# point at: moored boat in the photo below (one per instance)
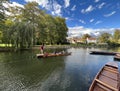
(103, 53)
(107, 79)
(117, 57)
(52, 54)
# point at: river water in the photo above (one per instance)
(22, 71)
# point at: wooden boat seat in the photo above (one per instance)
(106, 85)
(100, 87)
(108, 81)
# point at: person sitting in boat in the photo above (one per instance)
(55, 52)
(42, 49)
(63, 52)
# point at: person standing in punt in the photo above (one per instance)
(42, 49)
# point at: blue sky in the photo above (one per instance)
(83, 14)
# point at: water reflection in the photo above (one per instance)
(22, 71)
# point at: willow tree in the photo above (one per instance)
(25, 25)
(20, 35)
(33, 14)
(2, 17)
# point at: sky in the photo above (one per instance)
(83, 15)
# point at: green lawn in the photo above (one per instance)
(4, 45)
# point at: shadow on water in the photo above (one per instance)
(22, 71)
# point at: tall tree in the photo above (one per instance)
(85, 36)
(2, 17)
(104, 38)
(2, 12)
(61, 30)
(29, 24)
(34, 15)
(116, 35)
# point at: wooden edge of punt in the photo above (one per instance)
(110, 64)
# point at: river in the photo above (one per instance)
(22, 71)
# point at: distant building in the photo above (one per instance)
(75, 40)
(80, 40)
(91, 40)
(71, 40)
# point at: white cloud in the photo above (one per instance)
(13, 4)
(91, 20)
(73, 8)
(67, 18)
(89, 9)
(57, 8)
(43, 3)
(110, 14)
(80, 30)
(97, 1)
(67, 3)
(53, 6)
(101, 5)
(82, 21)
(98, 22)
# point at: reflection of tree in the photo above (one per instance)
(23, 70)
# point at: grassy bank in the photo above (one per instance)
(3, 47)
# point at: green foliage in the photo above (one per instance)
(104, 38)
(116, 35)
(85, 36)
(30, 25)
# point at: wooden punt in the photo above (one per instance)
(107, 79)
(103, 53)
(117, 57)
(52, 55)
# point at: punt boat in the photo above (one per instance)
(107, 79)
(117, 57)
(52, 55)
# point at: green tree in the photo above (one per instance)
(85, 36)
(2, 17)
(61, 30)
(116, 35)
(30, 25)
(104, 38)
(2, 12)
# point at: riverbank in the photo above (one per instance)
(6, 49)
(52, 46)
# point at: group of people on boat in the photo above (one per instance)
(42, 50)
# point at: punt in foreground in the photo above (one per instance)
(107, 79)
